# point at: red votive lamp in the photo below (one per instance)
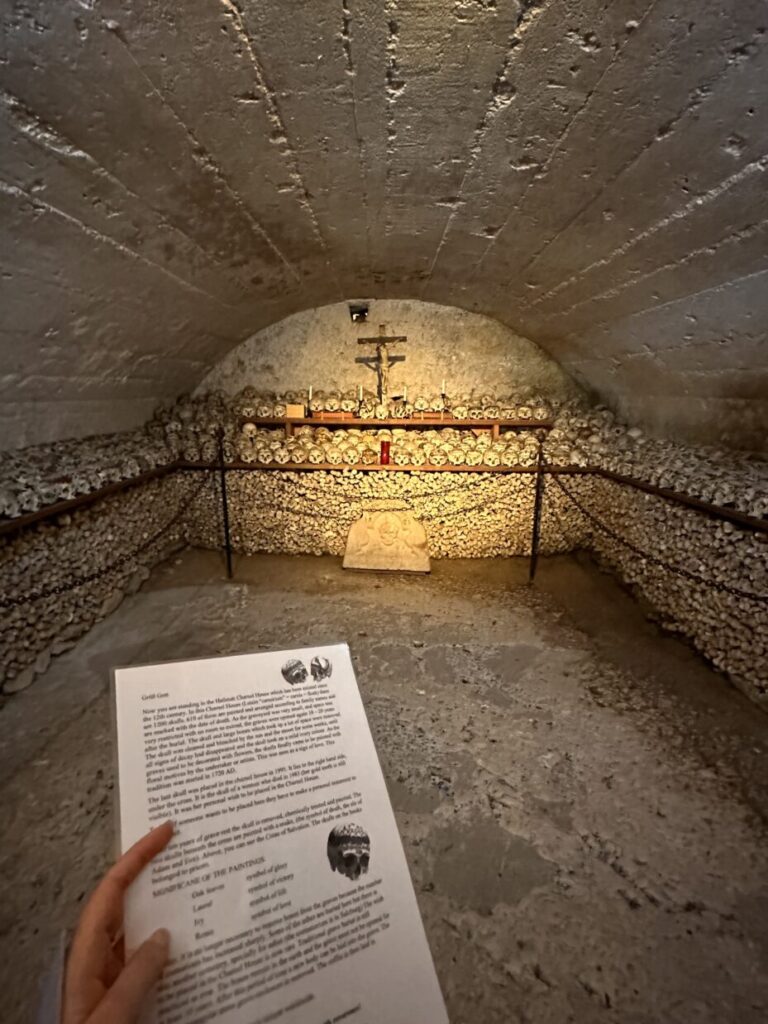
(385, 453)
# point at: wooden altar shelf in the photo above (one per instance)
(417, 422)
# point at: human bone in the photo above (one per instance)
(283, 511)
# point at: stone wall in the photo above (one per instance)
(319, 346)
(590, 173)
(110, 546)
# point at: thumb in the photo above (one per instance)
(126, 998)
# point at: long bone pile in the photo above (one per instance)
(585, 436)
(48, 557)
(466, 515)
(680, 547)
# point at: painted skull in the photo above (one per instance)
(321, 668)
(349, 851)
(294, 671)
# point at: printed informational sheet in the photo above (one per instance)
(285, 887)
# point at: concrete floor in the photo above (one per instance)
(582, 801)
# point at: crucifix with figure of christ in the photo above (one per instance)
(382, 362)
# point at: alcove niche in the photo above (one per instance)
(85, 520)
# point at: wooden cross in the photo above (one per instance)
(382, 362)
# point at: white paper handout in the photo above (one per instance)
(285, 888)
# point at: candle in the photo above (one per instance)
(310, 392)
(405, 394)
(442, 387)
(359, 392)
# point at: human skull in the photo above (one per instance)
(321, 668)
(294, 671)
(208, 450)
(349, 851)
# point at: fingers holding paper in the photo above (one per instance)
(99, 986)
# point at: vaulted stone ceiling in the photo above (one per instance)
(177, 175)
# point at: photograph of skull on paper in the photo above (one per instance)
(294, 671)
(349, 851)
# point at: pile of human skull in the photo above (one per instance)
(48, 557)
(189, 429)
(730, 630)
(446, 446)
(252, 404)
(36, 477)
(726, 628)
(466, 516)
(191, 426)
(584, 436)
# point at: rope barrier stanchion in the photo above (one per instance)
(225, 504)
(537, 503)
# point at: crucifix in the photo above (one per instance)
(382, 362)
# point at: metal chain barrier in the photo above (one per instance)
(465, 489)
(464, 510)
(677, 570)
(91, 577)
(37, 595)
(401, 506)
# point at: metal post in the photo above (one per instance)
(225, 506)
(537, 501)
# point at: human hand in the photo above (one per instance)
(99, 986)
